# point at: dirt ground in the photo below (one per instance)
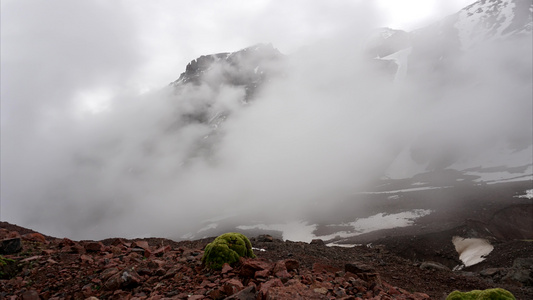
(399, 255)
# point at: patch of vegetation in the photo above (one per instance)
(489, 294)
(8, 268)
(227, 248)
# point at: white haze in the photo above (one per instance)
(137, 167)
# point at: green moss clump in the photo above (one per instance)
(8, 268)
(489, 294)
(227, 248)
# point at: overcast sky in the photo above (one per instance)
(102, 46)
(64, 63)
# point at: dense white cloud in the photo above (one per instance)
(84, 155)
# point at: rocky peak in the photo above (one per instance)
(248, 67)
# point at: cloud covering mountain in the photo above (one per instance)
(262, 135)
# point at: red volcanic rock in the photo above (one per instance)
(226, 268)
(3, 233)
(296, 290)
(86, 259)
(30, 295)
(124, 279)
(104, 276)
(13, 235)
(155, 264)
(262, 273)
(94, 247)
(291, 264)
(140, 244)
(358, 267)
(265, 287)
(66, 242)
(250, 266)
(283, 275)
(323, 268)
(232, 286)
(35, 237)
(161, 251)
(249, 293)
(286, 270)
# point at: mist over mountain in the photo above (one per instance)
(261, 136)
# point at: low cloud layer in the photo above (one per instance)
(161, 163)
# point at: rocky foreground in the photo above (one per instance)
(41, 267)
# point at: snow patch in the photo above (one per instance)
(527, 195)
(302, 231)
(294, 231)
(400, 58)
(405, 190)
(210, 226)
(474, 23)
(471, 251)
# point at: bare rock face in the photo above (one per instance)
(358, 267)
(248, 68)
(10, 246)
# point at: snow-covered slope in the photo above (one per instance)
(481, 55)
(493, 20)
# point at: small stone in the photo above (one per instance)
(318, 242)
(141, 244)
(431, 265)
(160, 251)
(30, 295)
(321, 290)
(265, 238)
(215, 294)
(249, 267)
(276, 282)
(490, 272)
(155, 264)
(372, 278)
(322, 268)
(66, 242)
(291, 264)
(94, 247)
(77, 248)
(283, 275)
(232, 286)
(108, 273)
(35, 257)
(226, 268)
(246, 294)
(36, 237)
(358, 267)
(262, 274)
(86, 259)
